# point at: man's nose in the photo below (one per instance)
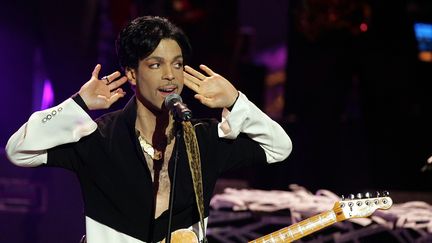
(168, 74)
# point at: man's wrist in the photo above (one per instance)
(79, 100)
(232, 106)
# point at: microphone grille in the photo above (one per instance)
(171, 99)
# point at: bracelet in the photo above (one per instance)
(78, 99)
(232, 106)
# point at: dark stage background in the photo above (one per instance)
(344, 78)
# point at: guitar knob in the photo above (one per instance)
(367, 195)
(359, 195)
(351, 196)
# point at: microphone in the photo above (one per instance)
(175, 104)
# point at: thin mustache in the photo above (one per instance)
(170, 84)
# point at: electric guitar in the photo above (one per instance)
(342, 210)
(183, 236)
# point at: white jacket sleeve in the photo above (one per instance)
(65, 123)
(246, 118)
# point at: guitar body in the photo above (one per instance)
(183, 236)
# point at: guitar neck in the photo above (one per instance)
(300, 229)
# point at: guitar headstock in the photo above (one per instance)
(361, 206)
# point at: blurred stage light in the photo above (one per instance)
(363, 27)
(423, 34)
(47, 95)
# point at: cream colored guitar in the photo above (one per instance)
(183, 236)
(342, 210)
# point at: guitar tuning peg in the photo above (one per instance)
(367, 195)
(359, 195)
(351, 196)
(378, 194)
(386, 193)
(343, 198)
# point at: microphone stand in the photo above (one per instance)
(178, 133)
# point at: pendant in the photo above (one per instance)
(148, 149)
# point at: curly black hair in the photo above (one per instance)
(141, 37)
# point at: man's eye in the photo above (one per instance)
(154, 65)
(178, 65)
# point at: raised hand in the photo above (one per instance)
(212, 90)
(102, 93)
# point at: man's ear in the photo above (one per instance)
(131, 75)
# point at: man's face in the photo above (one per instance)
(159, 74)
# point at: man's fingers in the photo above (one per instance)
(194, 73)
(113, 76)
(207, 70)
(96, 71)
(204, 100)
(191, 85)
(114, 84)
(118, 93)
(106, 102)
(191, 78)
(201, 98)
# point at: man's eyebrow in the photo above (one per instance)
(153, 57)
(178, 57)
(158, 58)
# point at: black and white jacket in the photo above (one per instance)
(115, 180)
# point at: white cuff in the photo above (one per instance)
(232, 121)
(65, 123)
(246, 118)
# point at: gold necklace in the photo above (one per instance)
(148, 149)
